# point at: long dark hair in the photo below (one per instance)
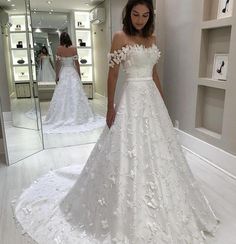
(128, 27)
(65, 39)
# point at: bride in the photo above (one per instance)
(136, 187)
(69, 110)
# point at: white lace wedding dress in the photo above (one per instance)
(46, 72)
(136, 187)
(69, 109)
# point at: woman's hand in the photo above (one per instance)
(111, 114)
(57, 79)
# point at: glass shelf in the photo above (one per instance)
(21, 73)
(85, 36)
(85, 54)
(18, 37)
(82, 20)
(18, 23)
(86, 73)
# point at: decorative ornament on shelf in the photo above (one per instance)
(80, 24)
(18, 27)
(21, 61)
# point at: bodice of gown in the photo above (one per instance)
(67, 61)
(137, 60)
(45, 60)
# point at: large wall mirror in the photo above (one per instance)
(88, 25)
(21, 116)
(31, 37)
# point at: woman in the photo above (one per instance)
(46, 71)
(136, 187)
(69, 109)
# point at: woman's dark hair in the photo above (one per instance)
(46, 50)
(65, 39)
(128, 27)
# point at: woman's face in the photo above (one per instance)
(140, 16)
(44, 51)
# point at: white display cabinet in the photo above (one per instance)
(85, 50)
(85, 54)
(21, 44)
(213, 98)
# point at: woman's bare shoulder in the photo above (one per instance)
(119, 40)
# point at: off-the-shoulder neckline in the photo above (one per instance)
(139, 45)
(135, 46)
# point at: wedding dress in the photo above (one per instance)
(69, 109)
(136, 187)
(46, 72)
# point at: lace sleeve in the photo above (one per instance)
(117, 56)
(58, 58)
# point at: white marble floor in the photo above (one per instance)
(218, 187)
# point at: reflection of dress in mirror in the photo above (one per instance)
(46, 73)
(136, 187)
(69, 110)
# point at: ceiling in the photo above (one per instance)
(47, 5)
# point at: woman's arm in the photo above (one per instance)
(155, 74)
(113, 73)
(157, 80)
(76, 62)
(58, 65)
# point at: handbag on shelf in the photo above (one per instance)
(19, 44)
(83, 61)
(21, 61)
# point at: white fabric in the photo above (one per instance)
(69, 110)
(136, 187)
(46, 71)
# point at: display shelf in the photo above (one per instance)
(213, 41)
(217, 23)
(21, 73)
(85, 53)
(217, 9)
(212, 83)
(21, 41)
(82, 20)
(83, 37)
(18, 23)
(86, 73)
(210, 109)
(85, 50)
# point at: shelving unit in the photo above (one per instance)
(85, 50)
(21, 50)
(212, 93)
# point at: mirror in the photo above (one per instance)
(21, 116)
(66, 116)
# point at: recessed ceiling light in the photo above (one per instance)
(9, 0)
(51, 10)
(35, 9)
(49, 2)
(13, 5)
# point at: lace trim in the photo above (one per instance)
(120, 55)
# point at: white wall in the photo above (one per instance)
(101, 35)
(4, 93)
